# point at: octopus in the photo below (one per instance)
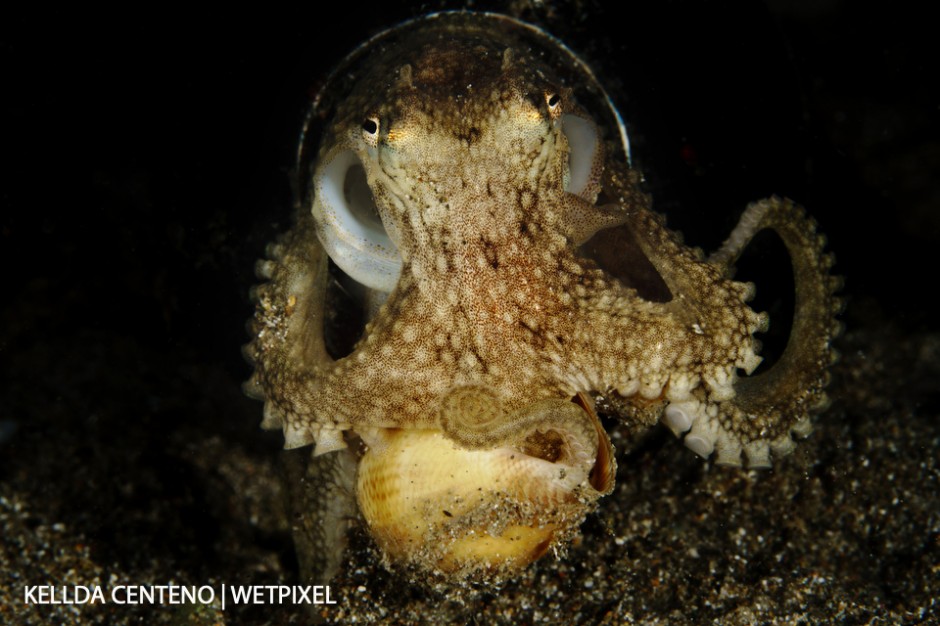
(473, 274)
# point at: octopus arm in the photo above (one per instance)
(551, 428)
(288, 349)
(732, 415)
(322, 499)
(769, 406)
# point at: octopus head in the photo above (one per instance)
(423, 159)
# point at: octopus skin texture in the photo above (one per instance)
(472, 269)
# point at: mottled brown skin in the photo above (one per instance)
(497, 309)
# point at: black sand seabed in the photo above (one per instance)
(129, 456)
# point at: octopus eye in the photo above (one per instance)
(370, 130)
(553, 100)
(349, 225)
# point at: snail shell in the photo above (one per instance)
(436, 507)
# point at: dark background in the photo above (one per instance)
(147, 164)
(183, 126)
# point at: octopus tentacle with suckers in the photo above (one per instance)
(471, 201)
